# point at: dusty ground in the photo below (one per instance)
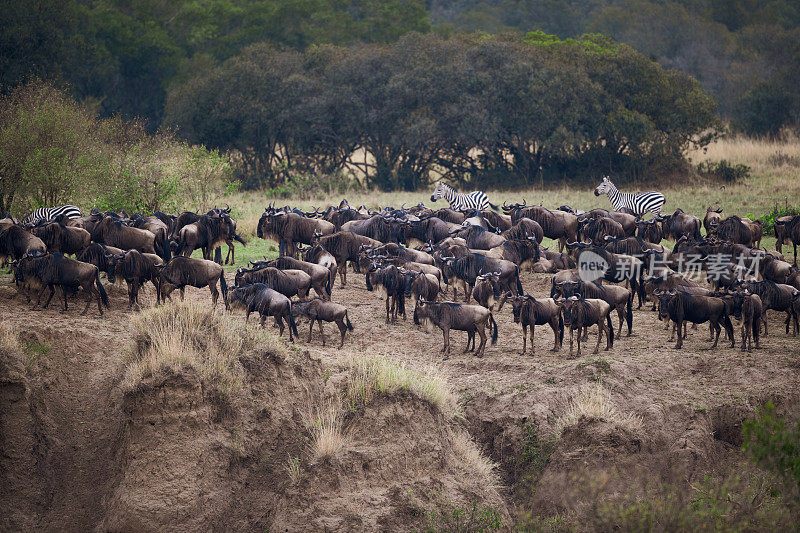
(689, 402)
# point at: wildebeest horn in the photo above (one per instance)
(227, 208)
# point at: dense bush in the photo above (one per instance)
(724, 170)
(55, 151)
(774, 444)
(479, 110)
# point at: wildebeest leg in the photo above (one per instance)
(214, 293)
(621, 315)
(342, 330)
(745, 334)
(680, 325)
(321, 332)
(470, 337)
(388, 307)
(525, 339)
(482, 347)
(601, 326)
(533, 350)
(446, 348)
(279, 321)
(342, 271)
(52, 292)
(183, 292)
(764, 319)
(310, 329)
(263, 319)
(717, 330)
(468, 291)
(571, 338)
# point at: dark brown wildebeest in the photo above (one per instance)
(712, 219)
(322, 311)
(16, 243)
(379, 228)
(345, 246)
(621, 267)
(558, 225)
(460, 317)
(524, 229)
(185, 218)
(450, 215)
(735, 230)
(135, 268)
(60, 238)
(668, 280)
(290, 229)
(398, 250)
(182, 271)
(649, 230)
(480, 239)
(528, 311)
(266, 302)
(160, 229)
(518, 252)
(429, 230)
(582, 313)
(626, 220)
(678, 224)
(421, 286)
(392, 283)
(597, 229)
(320, 276)
(55, 269)
(553, 261)
(97, 254)
(680, 306)
(619, 298)
(114, 233)
(747, 308)
(208, 233)
(487, 290)
(777, 296)
(757, 229)
(465, 269)
(287, 282)
(782, 234)
(775, 269)
(320, 256)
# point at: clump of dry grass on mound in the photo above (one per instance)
(594, 402)
(9, 339)
(325, 424)
(378, 375)
(182, 335)
(474, 462)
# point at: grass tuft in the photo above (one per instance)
(370, 376)
(594, 402)
(9, 339)
(474, 461)
(325, 423)
(182, 335)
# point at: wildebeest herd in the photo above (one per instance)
(420, 254)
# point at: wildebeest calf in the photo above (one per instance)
(320, 310)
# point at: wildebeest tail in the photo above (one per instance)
(610, 330)
(292, 323)
(218, 255)
(560, 328)
(519, 283)
(223, 285)
(347, 321)
(726, 320)
(494, 207)
(162, 246)
(493, 327)
(100, 289)
(329, 284)
(629, 313)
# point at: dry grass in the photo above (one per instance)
(182, 335)
(472, 460)
(9, 339)
(325, 424)
(293, 469)
(378, 375)
(594, 402)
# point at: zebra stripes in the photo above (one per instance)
(462, 201)
(638, 203)
(51, 213)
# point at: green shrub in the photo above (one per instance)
(724, 170)
(768, 219)
(774, 444)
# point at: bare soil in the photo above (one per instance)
(78, 454)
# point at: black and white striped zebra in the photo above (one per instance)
(51, 213)
(462, 201)
(639, 203)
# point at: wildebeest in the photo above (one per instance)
(98, 254)
(524, 229)
(789, 231)
(318, 255)
(392, 282)
(777, 296)
(678, 224)
(208, 233)
(422, 286)
(597, 229)
(747, 308)
(398, 250)
(290, 229)
(479, 238)
(782, 235)
(345, 246)
(581, 313)
(712, 219)
(558, 225)
(322, 311)
(775, 269)
(16, 242)
(55, 269)
(266, 302)
(680, 306)
(487, 290)
(617, 297)
(60, 238)
(528, 311)
(470, 266)
(649, 230)
(378, 227)
(460, 317)
(621, 267)
(735, 230)
(287, 282)
(182, 271)
(135, 268)
(429, 230)
(518, 252)
(320, 276)
(114, 233)
(160, 229)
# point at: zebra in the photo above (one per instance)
(639, 203)
(462, 201)
(51, 213)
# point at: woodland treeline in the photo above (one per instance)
(492, 93)
(479, 110)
